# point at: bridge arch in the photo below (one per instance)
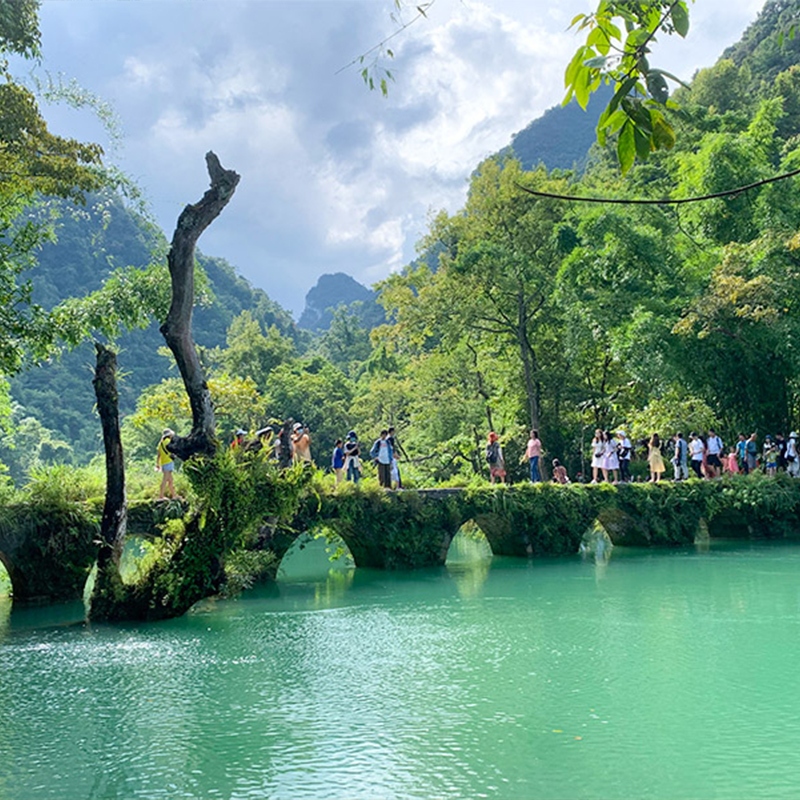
(314, 555)
(469, 545)
(6, 579)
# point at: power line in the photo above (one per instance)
(663, 201)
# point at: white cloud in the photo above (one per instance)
(333, 177)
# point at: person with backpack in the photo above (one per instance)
(495, 460)
(714, 450)
(352, 460)
(624, 452)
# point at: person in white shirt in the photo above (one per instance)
(697, 449)
(792, 458)
(624, 449)
(714, 454)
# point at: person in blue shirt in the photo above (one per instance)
(337, 461)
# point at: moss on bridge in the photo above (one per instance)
(400, 530)
(48, 550)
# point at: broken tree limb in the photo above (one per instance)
(177, 329)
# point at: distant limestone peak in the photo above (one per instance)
(332, 291)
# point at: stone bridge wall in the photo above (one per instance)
(48, 551)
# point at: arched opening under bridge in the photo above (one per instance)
(468, 546)
(6, 586)
(315, 555)
(136, 548)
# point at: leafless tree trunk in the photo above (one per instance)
(115, 509)
(177, 329)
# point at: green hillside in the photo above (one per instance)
(89, 245)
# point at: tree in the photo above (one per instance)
(33, 162)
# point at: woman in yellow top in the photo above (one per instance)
(166, 464)
(655, 460)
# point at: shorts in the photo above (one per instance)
(168, 467)
(713, 460)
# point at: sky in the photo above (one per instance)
(335, 178)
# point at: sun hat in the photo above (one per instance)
(240, 432)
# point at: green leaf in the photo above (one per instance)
(582, 88)
(680, 19)
(623, 91)
(626, 147)
(598, 62)
(663, 135)
(642, 142)
(657, 86)
(671, 77)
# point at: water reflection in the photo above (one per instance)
(469, 559)
(315, 557)
(5, 615)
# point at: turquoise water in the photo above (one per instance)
(660, 674)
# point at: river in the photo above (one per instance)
(660, 674)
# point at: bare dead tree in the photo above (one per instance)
(115, 509)
(177, 329)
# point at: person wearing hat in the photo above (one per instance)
(352, 462)
(302, 444)
(165, 463)
(238, 439)
(792, 462)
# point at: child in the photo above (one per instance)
(771, 461)
(337, 461)
(731, 461)
(559, 472)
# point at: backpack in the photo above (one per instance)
(492, 452)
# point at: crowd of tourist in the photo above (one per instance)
(701, 456)
(705, 455)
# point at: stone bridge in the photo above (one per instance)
(48, 552)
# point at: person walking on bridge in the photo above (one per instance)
(534, 453)
(680, 458)
(494, 457)
(382, 454)
(165, 463)
(352, 460)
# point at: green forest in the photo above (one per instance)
(519, 312)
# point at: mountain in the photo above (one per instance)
(332, 291)
(770, 44)
(562, 137)
(89, 245)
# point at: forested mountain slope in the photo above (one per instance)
(90, 243)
